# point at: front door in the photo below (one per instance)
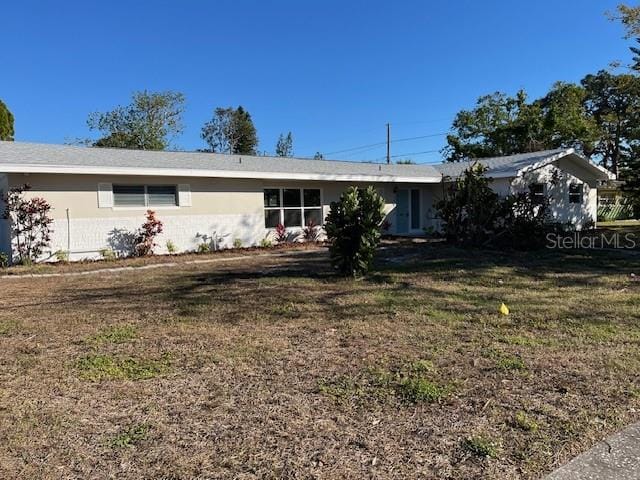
(402, 211)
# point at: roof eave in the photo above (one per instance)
(600, 172)
(173, 172)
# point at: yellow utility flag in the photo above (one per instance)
(504, 310)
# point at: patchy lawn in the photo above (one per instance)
(270, 367)
(47, 268)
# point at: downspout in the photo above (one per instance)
(68, 234)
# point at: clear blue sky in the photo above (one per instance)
(333, 71)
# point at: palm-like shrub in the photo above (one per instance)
(353, 230)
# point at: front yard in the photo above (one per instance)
(270, 367)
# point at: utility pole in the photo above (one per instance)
(388, 143)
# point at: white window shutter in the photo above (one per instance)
(105, 195)
(184, 195)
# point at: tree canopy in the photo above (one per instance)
(6, 123)
(230, 131)
(149, 122)
(284, 147)
(599, 117)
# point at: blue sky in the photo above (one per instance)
(332, 72)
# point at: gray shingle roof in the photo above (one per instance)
(499, 166)
(34, 155)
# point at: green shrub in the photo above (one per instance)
(204, 248)
(108, 254)
(237, 243)
(353, 230)
(171, 247)
(473, 214)
(4, 260)
(62, 256)
(266, 243)
(470, 208)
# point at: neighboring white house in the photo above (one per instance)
(98, 195)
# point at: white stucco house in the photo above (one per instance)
(98, 194)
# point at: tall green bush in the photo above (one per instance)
(473, 214)
(353, 230)
(470, 209)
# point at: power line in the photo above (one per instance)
(415, 153)
(357, 148)
(359, 152)
(384, 143)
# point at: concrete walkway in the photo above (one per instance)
(617, 457)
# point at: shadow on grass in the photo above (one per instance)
(459, 284)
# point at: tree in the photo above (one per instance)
(318, 156)
(636, 57)
(353, 229)
(230, 131)
(613, 102)
(6, 123)
(630, 19)
(29, 222)
(632, 179)
(284, 147)
(566, 122)
(149, 122)
(405, 161)
(498, 125)
(599, 117)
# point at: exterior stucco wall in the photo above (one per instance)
(557, 182)
(221, 211)
(5, 236)
(224, 210)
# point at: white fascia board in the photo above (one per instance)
(607, 175)
(178, 172)
(545, 162)
(510, 174)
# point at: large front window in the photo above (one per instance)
(293, 207)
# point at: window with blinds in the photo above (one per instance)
(144, 196)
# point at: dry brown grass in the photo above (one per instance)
(273, 368)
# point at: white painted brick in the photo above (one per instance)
(90, 235)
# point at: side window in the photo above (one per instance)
(537, 192)
(145, 196)
(575, 193)
(162, 196)
(129, 196)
